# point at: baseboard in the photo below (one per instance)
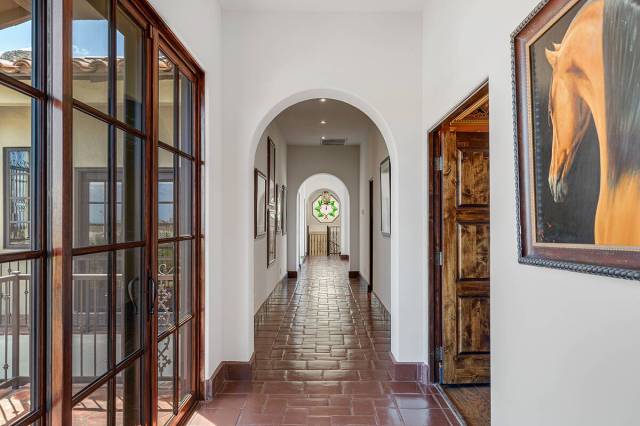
(292, 274)
(405, 371)
(344, 257)
(354, 274)
(264, 302)
(228, 370)
(410, 371)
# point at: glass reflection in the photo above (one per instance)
(90, 175)
(17, 284)
(165, 379)
(90, 305)
(166, 112)
(129, 66)
(90, 50)
(16, 39)
(16, 112)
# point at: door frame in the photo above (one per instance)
(371, 193)
(434, 240)
(55, 151)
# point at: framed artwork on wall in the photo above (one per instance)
(271, 173)
(385, 197)
(259, 204)
(577, 136)
(271, 202)
(283, 226)
(278, 208)
(271, 235)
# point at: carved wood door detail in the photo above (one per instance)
(465, 267)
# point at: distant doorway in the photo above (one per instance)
(459, 268)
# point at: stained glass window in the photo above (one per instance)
(326, 208)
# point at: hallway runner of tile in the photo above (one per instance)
(322, 348)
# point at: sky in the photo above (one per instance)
(89, 37)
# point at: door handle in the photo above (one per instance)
(130, 291)
(154, 295)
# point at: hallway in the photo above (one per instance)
(323, 358)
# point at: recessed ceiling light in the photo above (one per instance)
(322, 138)
(323, 100)
(323, 122)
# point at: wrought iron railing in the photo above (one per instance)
(15, 323)
(333, 240)
(90, 323)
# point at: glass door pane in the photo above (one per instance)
(176, 195)
(109, 281)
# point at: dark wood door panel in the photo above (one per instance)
(473, 178)
(466, 258)
(473, 250)
(473, 325)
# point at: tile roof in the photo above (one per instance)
(19, 64)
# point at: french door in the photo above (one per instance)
(100, 227)
(176, 235)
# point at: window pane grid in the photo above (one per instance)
(22, 277)
(110, 208)
(176, 148)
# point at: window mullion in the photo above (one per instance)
(112, 200)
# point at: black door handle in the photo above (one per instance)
(154, 295)
(130, 291)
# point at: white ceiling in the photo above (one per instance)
(324, 5)
(300, 123)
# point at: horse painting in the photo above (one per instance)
(596, 78)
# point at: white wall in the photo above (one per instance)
(564, 345)
(343, 162)
(370, 60)
(265, 277)
(201, 32)
(371, 155)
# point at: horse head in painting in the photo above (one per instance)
(570, 118)
(595, 71)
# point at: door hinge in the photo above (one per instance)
(439, 258)
(438, 164)
(439, 353)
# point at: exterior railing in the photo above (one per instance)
(90, 323)
(333, 240)
(15, 323)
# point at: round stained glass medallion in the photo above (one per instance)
(326, 208)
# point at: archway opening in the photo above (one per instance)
(321, 136)
(323, 218)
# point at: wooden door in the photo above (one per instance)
(465, 268)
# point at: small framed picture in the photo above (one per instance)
(278, 208)
(283, 212)
(260, 204)
(385, 197)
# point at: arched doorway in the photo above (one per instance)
(308, 192)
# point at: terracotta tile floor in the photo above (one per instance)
(322, 358)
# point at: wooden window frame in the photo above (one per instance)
(52, 247)
(36, 252)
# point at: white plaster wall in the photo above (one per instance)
(371, 155)
(564, 345)
(340, 161)
(198, 24)
(265, 277)
(371, 60)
